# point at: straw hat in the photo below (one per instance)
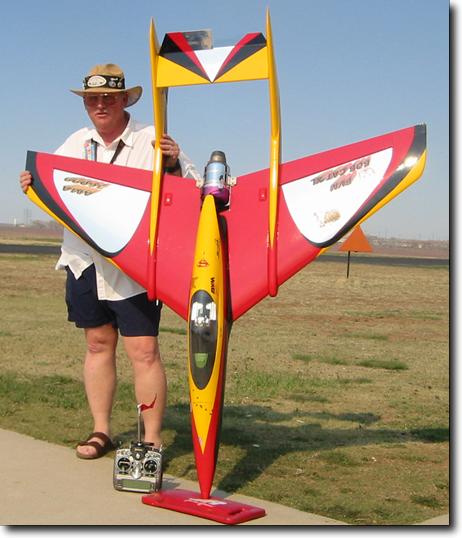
(108, 78)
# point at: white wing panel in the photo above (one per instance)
(322, 203)
(109, 213)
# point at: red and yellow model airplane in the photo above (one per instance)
(212, 253)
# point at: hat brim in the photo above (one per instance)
(134, 93)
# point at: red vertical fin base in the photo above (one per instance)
(152, 268)
(272, 271)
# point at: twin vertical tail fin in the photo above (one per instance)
(189, 58)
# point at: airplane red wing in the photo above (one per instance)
(179, 215)
(98, 203)
(108, 207)
(322, 197)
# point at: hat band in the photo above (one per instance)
(103, 81)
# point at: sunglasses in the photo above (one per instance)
(107, 99)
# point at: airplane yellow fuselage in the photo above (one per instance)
(207, 342)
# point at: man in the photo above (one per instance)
(101, 299)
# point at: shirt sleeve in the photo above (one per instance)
(73, 146)
(188, 168)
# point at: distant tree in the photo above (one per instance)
(46, 225)
(54, 226)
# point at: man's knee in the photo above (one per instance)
(143, 350)
(101, 339)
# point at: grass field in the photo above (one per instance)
(336, 403)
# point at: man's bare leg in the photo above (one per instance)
(100, 379)
(150, 383)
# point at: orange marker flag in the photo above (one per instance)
(356, 242)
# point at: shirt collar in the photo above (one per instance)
(126, 136)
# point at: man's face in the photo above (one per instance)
(106, 110)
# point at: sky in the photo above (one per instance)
(348, 70)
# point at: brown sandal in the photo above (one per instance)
(101, 450)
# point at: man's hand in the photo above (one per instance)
(25, 180)
(170, 150)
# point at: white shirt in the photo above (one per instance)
(112, 284)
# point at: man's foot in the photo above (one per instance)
(157, 442)
(97, 445)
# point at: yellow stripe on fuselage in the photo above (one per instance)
(208, 269)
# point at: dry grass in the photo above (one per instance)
(337, 390)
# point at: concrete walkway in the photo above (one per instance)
(45, 484)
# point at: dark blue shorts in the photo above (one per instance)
(135, 316)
